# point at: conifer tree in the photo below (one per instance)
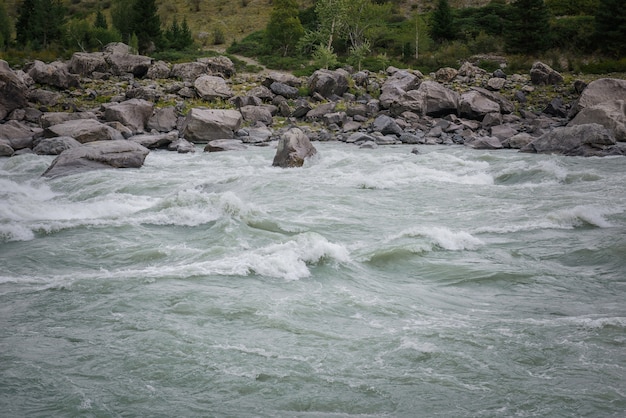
(528, 29)
(5, 27)
(39, 22)
(146, 24)
(442, 23)
(101, 21)
(284, 28)
(611, 27)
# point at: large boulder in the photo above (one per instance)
(55, 146)
(284, 90)
(293, 148)
(189, 71)
(5, 148)
(396, 86)
(541, 73)
(329, 83)
(600, 91)
(220, 65)
(154, 141)
(254, 114)
(83, 130)
(611, 115)
(55, 74)
(163, 120)
(220, 145)
(506, 106)
(436, 100)
(85, 63)
(580, 140)
(54, 118)
(12, 91)
(473, 105)
(211, 87)
(159, 70)
(386, 125)
(134, 114)
(98, 155)
(16, 133)
(121, 64)
(284, 78)
(204, 125)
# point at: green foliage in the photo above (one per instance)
(178, 36)
(573, 33)
(122, 18)
(253, 45)
(325, 57)
(605, 66)
(284, 28)
(572, 7)
(101, 20)
(5, 27)
(39, 23)
(610, 28)
(442, 22)
(359, 53)
(81, 35)
(528, 27)
(146, 25)
(218, 36)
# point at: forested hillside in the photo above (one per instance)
(573, 34)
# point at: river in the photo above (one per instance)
(368, 283)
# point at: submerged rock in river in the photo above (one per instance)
(98, 155)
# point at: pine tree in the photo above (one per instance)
(101, 21)
(146, 24)
(284, 28)
(442, 22)
(39, 22)
(5, 27)
(611, 27)
(528, 28)
(122, 18)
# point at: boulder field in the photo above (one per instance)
(109, 108)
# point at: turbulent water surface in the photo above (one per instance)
(451, 283)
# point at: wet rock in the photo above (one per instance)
(293, 148)
(154, 141)
(83, 130)
(611, 115)
(134, 114)
(98, 155)
(580, 140)
(55, 146)
(204, 125)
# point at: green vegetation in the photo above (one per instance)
(302, 35)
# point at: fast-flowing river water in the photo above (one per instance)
(453, 283)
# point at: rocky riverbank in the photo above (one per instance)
(108, 109)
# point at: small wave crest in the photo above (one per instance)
(583, 215)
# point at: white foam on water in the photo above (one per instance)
(585, 214)
(443, 237)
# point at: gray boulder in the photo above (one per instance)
(386, 125)
(54, 118)
(506, 106)
(219, 65)
(254, 114)
(134, 114)
(611, 115)
(211, 87)
(204, 125)
(284, 90)
(284, 78)
(188, 71)
(121, 64)
(446, 74)
(257, 135)
(484, 142)
(319, 111)
(182, 146)
(159, 70)
(473, 105)
(55, 74)
(541, 73)
(83, 130)
(328, 83)
(293, 148)
(44, 97)
(5, 148)
(98, 155)
(154, 141)
(55, 146)
(86, 64)
(163, 120)
(436, 100)
(518, 141)
(11, 91)
(580, 140)
(600, 91)
(16, 134)
(220, 145)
